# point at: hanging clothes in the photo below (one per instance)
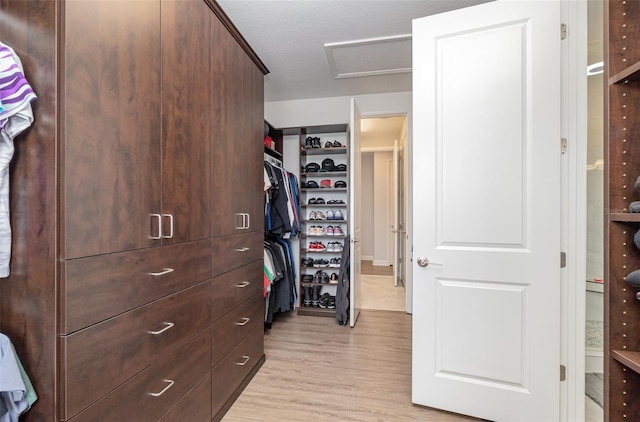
(16, 391)
(282, 211)
(16, 116)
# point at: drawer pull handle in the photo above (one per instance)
(168, 325)
(243, 284)
(170, 384)
(244, 321)
(245, 249)
(163, 272)
(246, 359)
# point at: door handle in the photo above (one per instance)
(159, 217)
(170, 235)
(423, 261)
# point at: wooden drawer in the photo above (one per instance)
(97, 288)
(195, 407)
(233, 288)
(234, 251)
(236, 325)
(234, 368)
(168, 380)
(98, 359)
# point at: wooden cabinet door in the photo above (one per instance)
(186, 121)
(110, 115)
(253, 175)
(237, 137)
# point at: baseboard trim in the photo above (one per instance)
(366, 258)
(380, 263)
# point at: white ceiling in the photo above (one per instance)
(290, 36)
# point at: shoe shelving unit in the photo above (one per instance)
(622, 168)
(309, 154)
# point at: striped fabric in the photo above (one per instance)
(15, 91)
(16, 116)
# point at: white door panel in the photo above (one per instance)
(355, 219)
(486, 195)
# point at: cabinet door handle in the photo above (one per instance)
(243, 284)
(167, 326)
(163, 272)
(244, 249)
(170, 216)
(247, 221)
(159, 217)
(170, 384)
(244, 321)
(246, 359)
(239, 221)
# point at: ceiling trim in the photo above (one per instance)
(329, 49)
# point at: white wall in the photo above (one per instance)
(334, 110)
(367, 206)
(381, 201)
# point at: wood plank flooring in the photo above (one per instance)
(317, 370)
(367, 267)
(378, 292)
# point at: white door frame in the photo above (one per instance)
(574, 128)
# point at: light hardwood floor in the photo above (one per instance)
(378, 292)
(367, 268)
(317, 370)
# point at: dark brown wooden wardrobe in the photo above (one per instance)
(136, 207)
(622, 169)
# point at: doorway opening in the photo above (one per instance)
(384, 235)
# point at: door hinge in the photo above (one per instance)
(563, 31)
(563, 259)
(563, 145)
(563, 373)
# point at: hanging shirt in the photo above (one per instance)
(16, 392)
(15, 116)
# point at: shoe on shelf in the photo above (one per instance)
(340, 184)
(328, 144)
(324, 300)
(331, 247)
(329, 230)
(311, 201)
(337, 247)
(331, 303)
(325, 183)
(320, 246)
(336, 144)
(320, 201)
(308, 262)
(308, 278)
(320, 215)
(308, 143)
(337, 231)
(337, 215)
(315, 142)
(330, 215)
(315, 298)
(308, 293)
(335, 263)
(320, 263)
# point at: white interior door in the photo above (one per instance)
(355, 220)
(486, 189)
(396, 226)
